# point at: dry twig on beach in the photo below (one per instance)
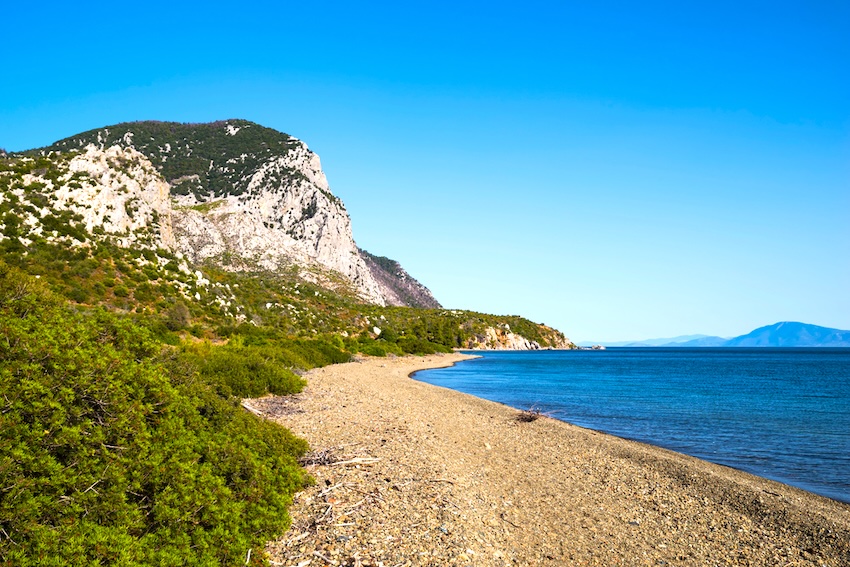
(528, 415)
(323, 457)
(532, 414)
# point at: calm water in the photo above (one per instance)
(783, 414)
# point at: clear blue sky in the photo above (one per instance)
(617, 170)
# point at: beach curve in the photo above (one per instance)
(409, 473)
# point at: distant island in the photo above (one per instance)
(782, 334)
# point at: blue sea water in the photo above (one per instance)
(782, 414)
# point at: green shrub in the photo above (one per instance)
(367, 345)
(78, 294)
(99, 290)
(113, 453)
(410, 345)
(138, 276)
(178, 317)
(374, 349)
(243, 371)
(389, 335)
(144, 293)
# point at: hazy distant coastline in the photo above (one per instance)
(783, 334)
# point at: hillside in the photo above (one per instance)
(116, 451)
(151, 276)
(702, 342)
(397, 286)
(208, 227)
(783, 334)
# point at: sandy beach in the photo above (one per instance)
(412, 474)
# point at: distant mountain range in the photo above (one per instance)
(783, 334)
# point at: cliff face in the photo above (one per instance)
(501, 338)
(280, 220)
(120, 192)
(244, 197)
(114, 191)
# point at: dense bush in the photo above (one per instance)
(373, 347)
(113, 453)
(243, 371)
(421, 346)
(260, 362)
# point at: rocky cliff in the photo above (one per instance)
(243, 197)
(502, 338)
(114, 191)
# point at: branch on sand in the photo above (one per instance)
(532, 414)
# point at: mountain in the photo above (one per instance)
(673, 340)
(792, 334)
(704, 341)
(784, 334)
(208, 227)
(650, 342)
(240, 194)
(152, 276)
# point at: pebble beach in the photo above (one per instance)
(410, 474)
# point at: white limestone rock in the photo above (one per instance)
(287, 215)
(502, 338)
(275, 211)
(119, 192)
(127, 193)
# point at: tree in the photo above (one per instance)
(178, 317)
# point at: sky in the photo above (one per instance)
(619, 171)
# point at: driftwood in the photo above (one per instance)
(323, 457)
(252, 409)
(358, 461)
(532, 414)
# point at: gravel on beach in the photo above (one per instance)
(410, 474)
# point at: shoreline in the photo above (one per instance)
(414, 474)
(649, 442)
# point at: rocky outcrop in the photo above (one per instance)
(115, 192)
(280, 220)
(501, 338)
(244, 197)
(120, 192)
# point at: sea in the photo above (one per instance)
(779, 413)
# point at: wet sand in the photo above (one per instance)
(413, 474)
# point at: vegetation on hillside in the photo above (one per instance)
(121, 370)
(159, 287)
(210, 159)
(91, 269)
(114, 451)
